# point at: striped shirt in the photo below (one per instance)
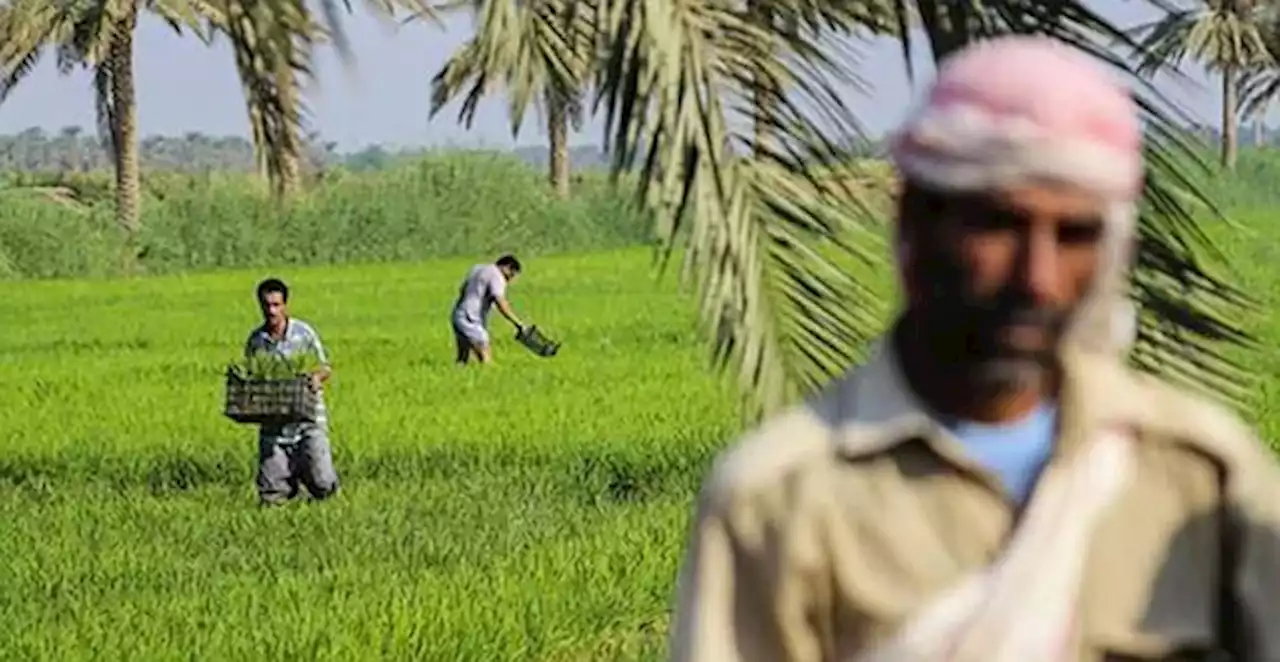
(299, 337)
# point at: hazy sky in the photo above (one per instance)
(186, 86)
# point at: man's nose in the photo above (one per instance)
(1038, 271)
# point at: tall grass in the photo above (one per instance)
(446, 204)
(1251, 186)
(450, 203)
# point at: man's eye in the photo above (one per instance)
(991, 220)
(1079, 233)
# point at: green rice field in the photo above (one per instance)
(535, 509)
(531, 510)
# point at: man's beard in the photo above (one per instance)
(971, 334)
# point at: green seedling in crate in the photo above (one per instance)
(263, 366)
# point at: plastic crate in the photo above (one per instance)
(271, 401)
(537, 343)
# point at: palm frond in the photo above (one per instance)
(1163, 42)
(783, 261)
(274, 42)
(194, 16)
(399, 11)
(27, 27)
(779, 247)
(90, 40)
(81, 34)
(533, 50)
(106, 113)
(1260, 82)
(1217, 35)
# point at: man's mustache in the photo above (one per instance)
(1006, 311)
(1040, 316)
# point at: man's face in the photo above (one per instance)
(274, 309)
(995, 278)
(509, 274)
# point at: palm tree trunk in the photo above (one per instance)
(290, 140)
(1230, 117)
(125, 131)
(558, 137)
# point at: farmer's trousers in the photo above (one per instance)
(469, 331)
(298, 454)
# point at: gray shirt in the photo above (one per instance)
(299, 337)
(483, 285)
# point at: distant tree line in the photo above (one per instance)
(75, 149)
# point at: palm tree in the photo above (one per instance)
(538, 49)
(95, 34)
(1260, 82)
(781, 249)
(1223, 35)
(270, 42)
(273, 42)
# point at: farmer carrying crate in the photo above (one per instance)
(296, 451)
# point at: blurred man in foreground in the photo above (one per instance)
(994, 485)
(294, 452)
(484, 287)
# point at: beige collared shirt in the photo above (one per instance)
(820, 533)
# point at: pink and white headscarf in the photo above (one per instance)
(1022, 108)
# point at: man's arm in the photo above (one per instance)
(1254, 551)
(498, 290)
(504, 307)
(321, 374)
(740, 599)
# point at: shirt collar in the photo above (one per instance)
(875, 410)
(266, 333)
